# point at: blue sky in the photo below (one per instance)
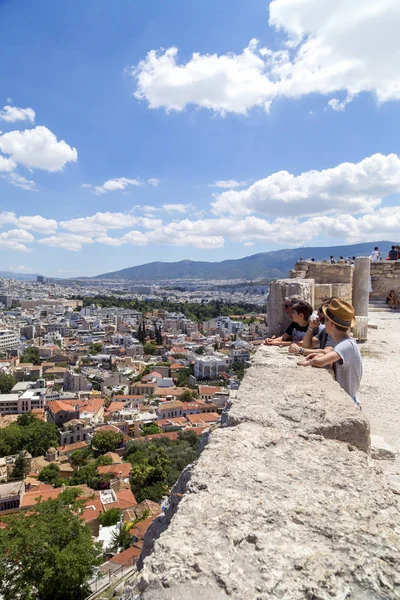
(111, 156)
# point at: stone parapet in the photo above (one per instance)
(323, 272)
(284, 501)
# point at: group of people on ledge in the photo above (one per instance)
(393, 254)
(323, 339)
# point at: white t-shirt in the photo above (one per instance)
(375, 255)
(348, 371)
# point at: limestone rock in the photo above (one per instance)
(380, 449)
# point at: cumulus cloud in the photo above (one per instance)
(15, 239)
(179, 208)
(319, 54)
(6, 164)
(228, 184)
(97, 225)
(37, 148)
(113, 185)
(37, 223)
(349, 187)
(153, 181)
(22, 182)
(68, 241)
(12, 114)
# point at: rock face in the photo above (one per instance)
(284, 501)
(380, 449)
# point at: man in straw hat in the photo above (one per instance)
(345, 357)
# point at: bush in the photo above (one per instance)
(110, 517)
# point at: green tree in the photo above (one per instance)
(50, 474)
(95, 348)
(110, 517)
(106, 441)
(48, 553)
(7, 383)
(21, 467)
(122, 539)
(150, 429)
(79, 458)
(150, 348)
(183, 378)
(189, 436)
(199, 350)
(103, 461)
(86, 475)
(29, 433)
(158, 336)
(31, 355)
(188, 396)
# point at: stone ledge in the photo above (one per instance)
(272, 509)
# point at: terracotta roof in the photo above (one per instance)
(56, 406)
(203, 418)
(72, 447)
(170, 391)
(32, 498)
(209, 389)
(132, 554)
(175, 366)
(127, 397)
(140, 528)
(114, 457)
(121, 470)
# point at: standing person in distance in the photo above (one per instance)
(375, 254)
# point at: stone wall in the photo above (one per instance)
(331, 281)
(385, 276)
(284, 501)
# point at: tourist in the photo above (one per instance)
(393, 254)
(319, 343)
(332, 260)
(391, 300)
(301, 312)
(299, 324)
(345, 357)
(375, 255)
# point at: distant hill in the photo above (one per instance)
(20, 276)
(274, 264)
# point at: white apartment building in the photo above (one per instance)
(9, 339)
(209, 367)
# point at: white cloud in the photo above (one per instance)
(179, 208)
(22, 182)
(15, 239)
(98, 224)
(6, 164)
(338, 106)
(349, 187)
(12, 114)
(37, 223)
(19, 269)
(153, 181)
(228, 184)
(113, 185)
(68, 241)
(327, 47)
(37, 148)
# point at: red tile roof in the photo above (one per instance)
(120, 471)
(132, 554)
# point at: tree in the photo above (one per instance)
(183, 378)
(150, 429)
(56, 533)
(150, 348)
(110, 517)
(106, 441)
(95, 348)
(122, 539)
(50, 474)
(31, 355)
(29, 433)
(158, 336)
(86, 475)
(188, 396)
(141, 334)
(7, 383)
(21, 467)
(79, 458)
(199, 350)
(189, 436)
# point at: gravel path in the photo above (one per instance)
(380, 386)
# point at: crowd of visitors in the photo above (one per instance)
(323, 339)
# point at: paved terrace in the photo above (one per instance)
(284, 502)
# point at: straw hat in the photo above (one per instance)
(341, 313)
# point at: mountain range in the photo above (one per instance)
(269, 265)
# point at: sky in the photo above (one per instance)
(143, 130)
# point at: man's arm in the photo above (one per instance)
(282, 340)
(295, 349)
(320, 360)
